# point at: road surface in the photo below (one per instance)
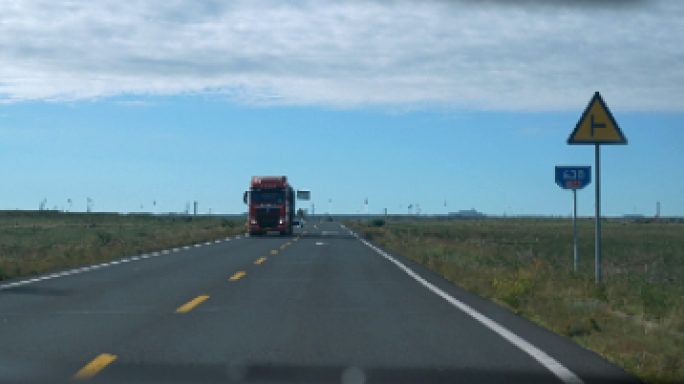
(321, 306)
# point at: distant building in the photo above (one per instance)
(633, 216)
(467, 213)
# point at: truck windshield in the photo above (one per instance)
(268, 196)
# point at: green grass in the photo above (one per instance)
(33, 242)
(635, 318)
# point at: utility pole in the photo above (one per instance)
(195, 208)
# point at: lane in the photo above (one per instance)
(64, 322)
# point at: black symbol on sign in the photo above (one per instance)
(595, 125)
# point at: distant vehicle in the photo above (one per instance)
(297, 223)
(271, 202)
(329, 218)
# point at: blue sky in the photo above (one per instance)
(473, 106)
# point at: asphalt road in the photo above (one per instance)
(318, 307)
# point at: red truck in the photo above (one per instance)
(271, 202)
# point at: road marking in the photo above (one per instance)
(327, 232)
(274, 252)
(217, 241)
(135, 258)
(305, 232)
(547, 361)
(95, 366)
(319, 243)
(289, 243)
(261, 260)
(198, 245)
(238, 275)
(295, 239)
(186, 247)
(155, 253)
(192, 304)
(165, 252)
(283, 246)
(237, 237)
(175, 249)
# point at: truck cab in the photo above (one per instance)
(271, 202)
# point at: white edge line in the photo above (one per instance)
(547, 361)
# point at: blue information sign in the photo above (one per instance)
(573, 177)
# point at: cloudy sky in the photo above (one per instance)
(103, 96)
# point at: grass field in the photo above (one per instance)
(635, 318)
(34, 242)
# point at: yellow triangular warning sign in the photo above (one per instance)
(597, 125)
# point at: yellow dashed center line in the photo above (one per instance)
(289, 243)
(273, 252)
(261, 260)
(94, 366)
(187, 307)
(283, 246)
(295, 239)
(238, 275)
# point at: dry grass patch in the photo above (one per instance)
(33, 242)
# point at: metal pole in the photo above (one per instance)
(598, 218)
(574, 222)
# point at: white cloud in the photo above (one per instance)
(501, 55)
(136, 103)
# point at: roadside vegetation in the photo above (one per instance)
(635, 318)
(33, 242)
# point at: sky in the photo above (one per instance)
(146, 106)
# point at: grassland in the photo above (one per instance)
(635, 318)
(33, 242)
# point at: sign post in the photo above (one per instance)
(574, 224)
(596, 127)
(573, 178)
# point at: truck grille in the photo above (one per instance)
(267, 221)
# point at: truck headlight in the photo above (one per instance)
(282, 221)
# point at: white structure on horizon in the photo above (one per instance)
(467, 213)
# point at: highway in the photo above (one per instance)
(321, 306)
